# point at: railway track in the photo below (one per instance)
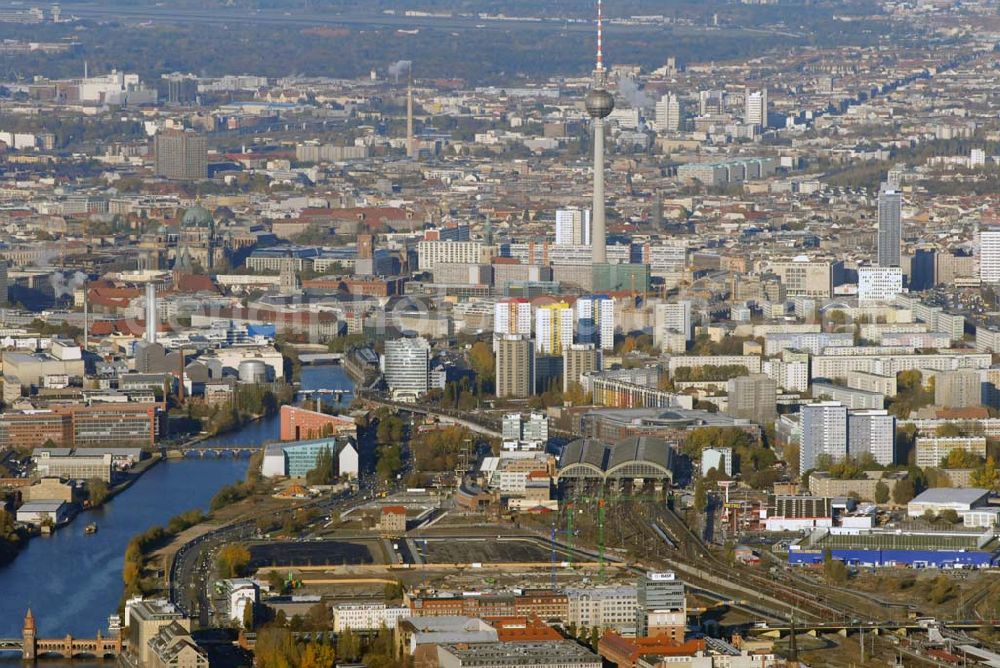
(826, 602)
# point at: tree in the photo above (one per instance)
(325, 472)
(986, 476)
(483, 362)
(233, 560)
(950, 515)
(575, 395)
(903, 492)
(318, 617)
(881, 492)
(700, 495)
(389, 460)
(929, 516)
(348, 646)
(276, 582)
(316, 655)
(834, 570)
(97, 492)
(276, 648)
(949, 430)
(248, 616)
(960, 458)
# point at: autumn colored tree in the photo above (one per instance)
(233, 560)
(316, 655)
(986, 476)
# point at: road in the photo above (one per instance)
(192, 570)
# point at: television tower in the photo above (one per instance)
(600, 104)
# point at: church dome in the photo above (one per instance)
(197, 216)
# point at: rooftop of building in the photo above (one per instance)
(562, 652)
(946, 495)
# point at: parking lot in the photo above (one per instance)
(314, 553)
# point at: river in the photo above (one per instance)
(73, 581)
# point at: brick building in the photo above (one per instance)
(97, 425)
(299, 424)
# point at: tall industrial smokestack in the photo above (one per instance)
(411, 146)
(151, 318)
(600, 104)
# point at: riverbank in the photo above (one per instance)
(72, 580)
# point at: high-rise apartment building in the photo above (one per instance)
(756, 108)
(595, 320)
(989, 254)
(961, 388)
(824, 432)
(578, 359)
(753, 397)
(515, 367)
(890, 227)
(181, 155)
(553, 328)
(669, 113)
(872, 432)
(674, 318)
(511, 316)
(406, 364)
(573, 227)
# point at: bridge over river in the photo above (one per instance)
(32, 647)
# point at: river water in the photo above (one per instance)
(73, 581)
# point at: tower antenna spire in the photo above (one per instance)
(600, 36)
(599, 104)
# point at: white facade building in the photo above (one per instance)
(573, 227)
(431, 253)
(511, 316)
(791, 376)
(756, 108)
(669, 113)
(824, 432)
(602, 607)
(595, 320)
(367, 616)
(879, 284)
(874, 432)
(989, 255)
(553, 328)
(672, 318)
(405, 364)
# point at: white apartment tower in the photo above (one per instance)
(756, 108)
(989, 254)
(668, 113)
(595, 320)
(573, 227)
(512, 316)
(824, 432)
(553, 328)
